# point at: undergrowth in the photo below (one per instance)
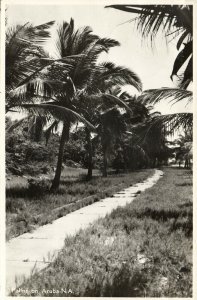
(30, 204)
(141, 250)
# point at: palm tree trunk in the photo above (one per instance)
(90, 154)
(38, 129)
(104, 161)
(64, 138)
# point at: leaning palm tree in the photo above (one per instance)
(81, 42)
(24, 56)
(79, 80)
(95, 97)
(59, 82)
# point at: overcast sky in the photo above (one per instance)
(153, 66)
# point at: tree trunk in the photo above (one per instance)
(38, 129)
(64, 138)
(104, 161)
(154, 162)
(90, 154)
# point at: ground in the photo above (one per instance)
(29, 206)
(141, 250)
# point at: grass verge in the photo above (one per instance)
(27, 209)
(141, 250)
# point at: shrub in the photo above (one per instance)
(38, 186)
(13, 205)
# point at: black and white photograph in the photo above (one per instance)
(98, 148)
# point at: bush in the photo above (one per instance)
(38, 186)
(72, 164)
(14, 205)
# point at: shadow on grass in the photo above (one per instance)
(18, 192)
(25, 192)
(186, 204)
(81, 179)
(176, 218)
(126, 282)
(29, 192)
(186, 225)
(163, 215)
(184, 184)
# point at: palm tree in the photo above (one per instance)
(96, 95)
(82, 82)
(129, 142)
(176, 21)
(103, 92)
(89, 46)
(184, 149)
(114, 122)
(173, 20)
(24, 56)
(111, 127)
(77, 55)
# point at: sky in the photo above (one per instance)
(153, 65)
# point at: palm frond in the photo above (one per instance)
(181, 58)
(41, 32)
(49, 66)
(81, 38)
(118, 101)
(27, 32)
(64, 40)
(188, 74)
(23, 50)
(16, 124)
(154, 96)
(108, 43)
(173, 122)
(153, 18)
(100, 100)
(38, 88)
(182, 38)
(107, 76)
(59, 112)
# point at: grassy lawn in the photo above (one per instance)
(141, 250)
(27, 209)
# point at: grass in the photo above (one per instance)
(141, 250)
(27, 209)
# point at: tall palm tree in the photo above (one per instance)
(77, 56)
(96, 96)
(129, 142)
(111, 126)
(102, 92)
(81, 42)
(79, 80)
(114, 122)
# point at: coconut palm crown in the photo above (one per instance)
(71, 76)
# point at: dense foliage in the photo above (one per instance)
(118, 129)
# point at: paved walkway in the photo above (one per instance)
(35, 250)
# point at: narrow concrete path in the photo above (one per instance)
(35, 250)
